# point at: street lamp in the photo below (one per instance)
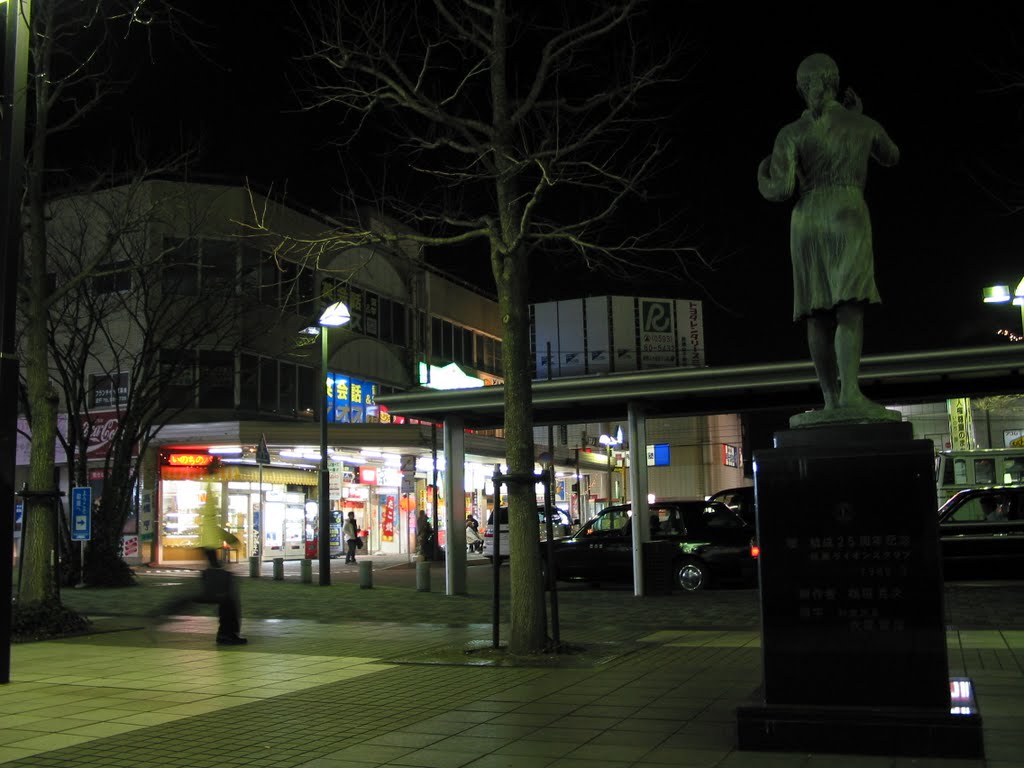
(1000, 294)
(610, 442)
(334, 316)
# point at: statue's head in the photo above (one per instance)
(817, 78)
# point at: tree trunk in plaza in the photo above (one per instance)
(528, 630)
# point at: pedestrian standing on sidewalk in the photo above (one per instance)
(351, 533)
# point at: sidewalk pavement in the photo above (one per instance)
(344, 677)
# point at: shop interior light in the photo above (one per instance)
(225, 450)
(371, 453)
(300, 453)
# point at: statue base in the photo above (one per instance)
(853, 636)
(865, 413)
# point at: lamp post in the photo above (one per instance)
(1000, 294)
(12, 157)
(334, 316)
(610, 442)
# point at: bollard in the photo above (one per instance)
(306, 571)
(254, 567)
(366, 574)
(422, 575)
(278, 569)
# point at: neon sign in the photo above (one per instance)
(189, 459)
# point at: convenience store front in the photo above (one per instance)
(384, 486)
(278, 508)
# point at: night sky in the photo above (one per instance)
(934, 80)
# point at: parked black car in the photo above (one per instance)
(740, 499)
(982, 533)
(706, 543)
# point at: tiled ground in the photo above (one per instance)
(346, 678)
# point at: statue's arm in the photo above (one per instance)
(776, 176)
(884, 149)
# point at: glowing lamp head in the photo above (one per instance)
(996, 294)
(335, 315)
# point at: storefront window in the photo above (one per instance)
(182, 502)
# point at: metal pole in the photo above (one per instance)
(258, 534)
(549, 514)
(12, 156)
(496, 562)
(323, 492)
(433, 489)
(579, 490)
(549, 511)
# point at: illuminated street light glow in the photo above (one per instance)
(335, 315)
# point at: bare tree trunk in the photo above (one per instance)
(528, 631)
(38, 573)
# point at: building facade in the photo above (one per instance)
(204, 319)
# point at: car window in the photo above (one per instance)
(716, 516)
(1013, 472)
(981, 509)
(984, 471)
(608, 523)
(666, 522)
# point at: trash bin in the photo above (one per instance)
(278, 569)
(306, 571)
(658, 558)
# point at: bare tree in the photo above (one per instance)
(529, 133)
(70, 74)
(128, 345)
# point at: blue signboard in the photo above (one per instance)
(81, 514)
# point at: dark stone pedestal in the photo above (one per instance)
(853, 636)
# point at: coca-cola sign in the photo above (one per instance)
(100, 436)
(101, 433)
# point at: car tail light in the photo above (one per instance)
(755, 550)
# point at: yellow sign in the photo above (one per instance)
(961, 428)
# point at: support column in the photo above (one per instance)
(455, 508)
(638, 491)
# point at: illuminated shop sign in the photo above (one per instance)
(368, 475)
(450, 376)
(351, 401)
(188, 459)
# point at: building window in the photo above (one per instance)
(286, 395)
(177, 371)
(249, 383)
(115, 277)
(307, 394)
(180, 275)
(268, 384)
(216, 379)
(218, 267)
